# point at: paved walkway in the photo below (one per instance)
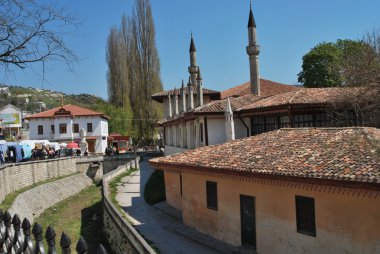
(162, 224)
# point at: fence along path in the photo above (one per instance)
(16, 237)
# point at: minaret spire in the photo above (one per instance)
(253, 51)
(193, 68)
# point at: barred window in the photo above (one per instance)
(212, 195)
(258, 125)
(271, 123)
(305, 214)
(285, 122)
(303, 121)
(321, 120)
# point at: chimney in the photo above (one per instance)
(229, 121)
(176, 102)
(170, 106)
(183, 96)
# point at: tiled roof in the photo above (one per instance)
(215, 95)
(267, 88)
(220, 105)
(344, 154)
(302, 96)
(69, 109)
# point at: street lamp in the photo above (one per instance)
(130, 142)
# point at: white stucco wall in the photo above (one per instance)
(216, 131)
(99, 127)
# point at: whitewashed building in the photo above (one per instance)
(62, 124)
(10, 119)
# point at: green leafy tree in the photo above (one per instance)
(327, 63)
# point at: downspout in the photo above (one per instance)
(245, 125)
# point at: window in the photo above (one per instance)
(89, 127)
(303, 121)
(321, 120)
(257, 124)
(75, 128)
(52, 129)
(305, 214)
(62, 128)
(40, 130)
(212, 195)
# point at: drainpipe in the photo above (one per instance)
(245, 125)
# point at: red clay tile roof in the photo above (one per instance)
(219, 106)
(215, 95)
(67, 110)
(344, 154)
(306, 96)
(267, 88)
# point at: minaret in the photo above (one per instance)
(229, 121)
(183, 96)
(200, 88)
(253, 50)
(193, 68)
(190, 94)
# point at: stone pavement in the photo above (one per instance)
(162, 224)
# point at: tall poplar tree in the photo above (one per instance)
(134, 68)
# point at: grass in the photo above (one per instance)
(154, 191)
(79, 215)
(9, 199)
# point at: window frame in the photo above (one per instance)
(302, 228)
(52, 129)
(76, 130)
(212, 195)
(40, 130)
(89, 129)
(62, 126)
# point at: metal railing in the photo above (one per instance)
(16, 238)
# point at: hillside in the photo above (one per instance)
(34, 100)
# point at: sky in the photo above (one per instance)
(286, 30)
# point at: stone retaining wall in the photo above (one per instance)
(32, 203)
(14, 177)
(121, 235)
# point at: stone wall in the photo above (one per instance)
(32, 203)
(121, 235)
(14, 177)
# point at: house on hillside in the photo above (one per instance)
(195, 116)
(62, 124)
(299, 190)
(11, 120)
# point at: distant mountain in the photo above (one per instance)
(34, 100)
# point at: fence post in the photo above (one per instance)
(28, 244)
(101, 250)
(8, 239)
(37, 232)
(50, 239)
(2, 232)
(81, 246)
(18, 241)
(65, 243)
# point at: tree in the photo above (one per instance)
(134, 68)
(325, 64)
(27, 33)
